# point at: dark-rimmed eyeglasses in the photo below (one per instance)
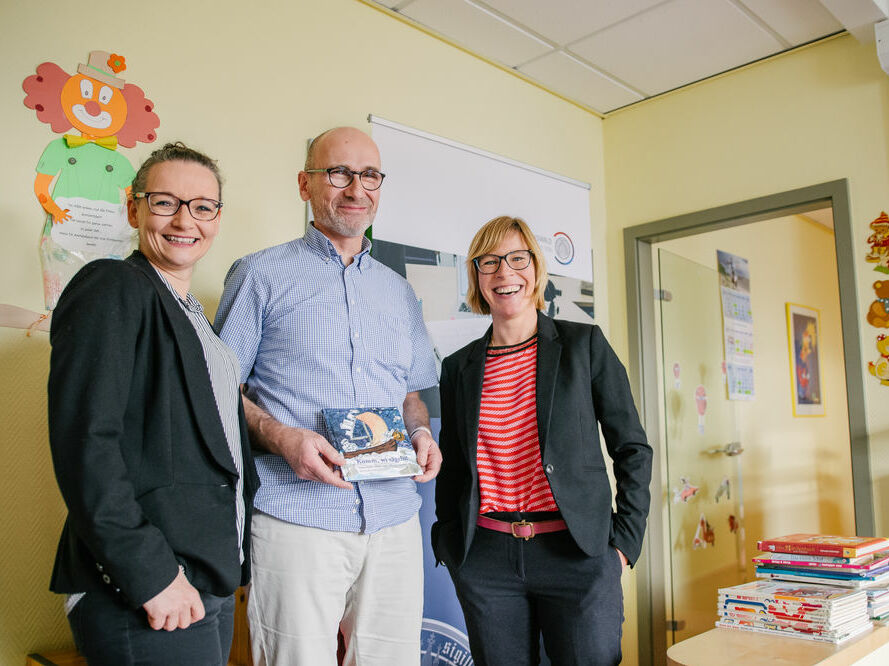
(167, 205)
(517, 260)
(341, 177)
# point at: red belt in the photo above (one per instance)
(522, 529)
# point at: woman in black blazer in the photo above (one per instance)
(525, 523)
(148, 437)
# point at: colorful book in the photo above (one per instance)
(823, 544)
(821, 571)
(864, 563)
(778, 592)
(373, 441)
(822, 578)
(790, 633)
(820, 624)
(796, 613)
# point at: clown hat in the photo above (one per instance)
(102, 66)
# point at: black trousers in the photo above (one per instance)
(513, 590)
(108, 633)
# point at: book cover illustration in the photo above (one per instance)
(373, 441)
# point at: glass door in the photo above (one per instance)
(702, 451)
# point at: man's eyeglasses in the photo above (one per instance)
(517, 260)
(341, 177)
(167, 205)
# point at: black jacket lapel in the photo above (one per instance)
(472, 374)
(549, 351)
(194, 367)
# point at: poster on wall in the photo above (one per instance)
(803, 339)
(878, 244)
(82, 178)
(737, 324)
(439, 192)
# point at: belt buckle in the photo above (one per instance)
(522, 523)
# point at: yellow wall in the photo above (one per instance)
(787, 460)
(812, 116)
(248, 83)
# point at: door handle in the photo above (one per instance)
(730, 449)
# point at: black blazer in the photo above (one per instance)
(138, 447)
(580, 382)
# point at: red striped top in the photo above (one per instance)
(510, 471)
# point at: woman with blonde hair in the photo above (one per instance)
(525, 522)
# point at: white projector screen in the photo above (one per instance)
(439, 192)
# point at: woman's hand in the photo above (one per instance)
(176, 606)
(623, 559)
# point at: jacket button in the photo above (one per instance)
(106, 579)
(100, 567)
(549, 469)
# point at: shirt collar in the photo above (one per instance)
(320, 244)
(190, 303)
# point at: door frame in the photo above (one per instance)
(642, 367)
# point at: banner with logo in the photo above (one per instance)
(439, 192)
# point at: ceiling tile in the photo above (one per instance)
(677, 43)
(567, 76)
(477, 30)
(564, 21)
(798, 21)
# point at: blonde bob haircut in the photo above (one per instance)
(485, 241)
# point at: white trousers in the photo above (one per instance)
(308, 583)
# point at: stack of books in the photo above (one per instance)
(878, 604)
(849, 562)
(814, 612)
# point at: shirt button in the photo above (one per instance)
(354, 510)
(549, 469)
(357, 501)
(352, 302)
(358, 369)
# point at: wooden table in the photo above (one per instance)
(734, 647)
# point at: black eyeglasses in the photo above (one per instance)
(517, 260)
(341, 177)
(167, 205)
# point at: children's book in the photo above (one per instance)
(836, 639)
(373, 441)
(777, 591)
(865, 563)
(822, 577)
(823, 544)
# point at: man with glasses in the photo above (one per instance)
(316, 323)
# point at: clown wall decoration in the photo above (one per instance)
(82, 179)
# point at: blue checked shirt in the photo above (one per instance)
(310, 333)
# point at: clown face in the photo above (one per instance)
(93, 107)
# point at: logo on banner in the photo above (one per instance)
(443, 645)
(563, 248)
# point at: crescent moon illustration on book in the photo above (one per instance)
(377, 428)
